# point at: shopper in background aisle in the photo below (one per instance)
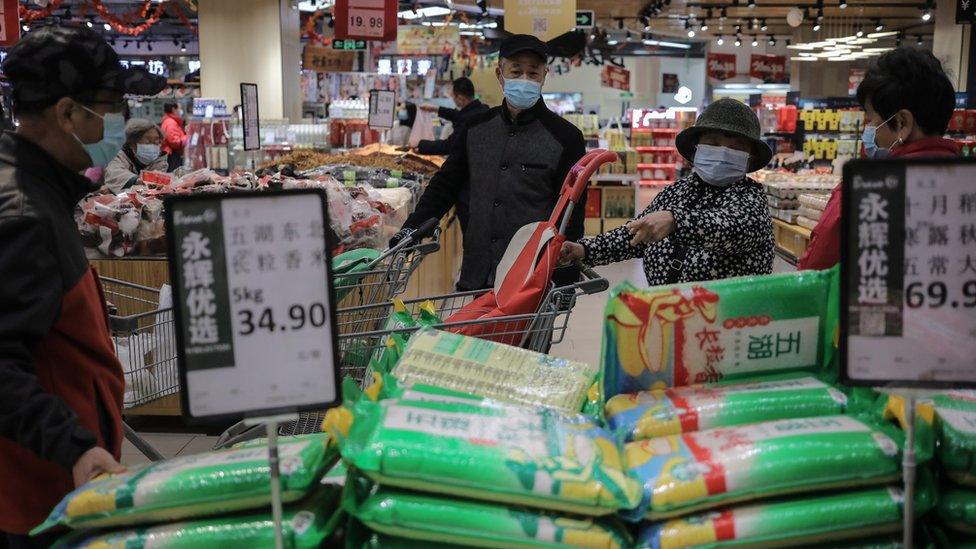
(908, 101)
(713, 223)
(140, 152)
(400, 134)
(468, 107)
(506, 168)
(61, 384)
(174, 134)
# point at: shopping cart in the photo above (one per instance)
(359, 340)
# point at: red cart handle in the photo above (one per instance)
(578, 177)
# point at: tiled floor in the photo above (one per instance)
(581, 342)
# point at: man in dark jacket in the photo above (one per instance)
(506, 168)
(467, 107)
(61, 384)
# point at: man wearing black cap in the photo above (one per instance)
(506, 168)
(61, 384)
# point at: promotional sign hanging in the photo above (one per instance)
(544, 19)
(319, 59)
(365, 19)
(908, 273)
(249, 116)
(854, 79)
(349, 45)
(965, 12)
(771, 69)
(721, 66)
(382, 108)
(615, 77)
(9, 23)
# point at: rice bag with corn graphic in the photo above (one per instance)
(537, 457)
(694, 471)
(195, 485)
(737, 328)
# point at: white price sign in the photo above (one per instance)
(908, 309)
(253, 302)
(382, 108)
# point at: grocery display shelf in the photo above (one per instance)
(656, 130)
(655, 182)
(654, 165)
(655, 149)
(621, 177)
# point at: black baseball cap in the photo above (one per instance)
(517, 43)
(55, 62)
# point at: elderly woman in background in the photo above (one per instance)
(712, 224)
(140, 152)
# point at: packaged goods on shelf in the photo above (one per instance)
(782, 203)
(434, 518)
(708, 469)
(809, 213)
(737, 328)
(306, 524)
(650, 414)
(194, 486)
(792, 186)
(821, 520)
(805, 222)
(494, 370)
(957, 510)
(955, 421)
(532, 456)
(814, 201)
(788, 216)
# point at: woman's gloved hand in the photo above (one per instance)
(570, 253)
(651, 228)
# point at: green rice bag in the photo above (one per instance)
(650, 414)
(736, 328)
(495, 370)
(955, 413)
(694, 471)
(427, 316)
(537, 457)
(305, 525)
(820, 519)
(358, 536)
(419, 516)
(957, 510)
(193, 486)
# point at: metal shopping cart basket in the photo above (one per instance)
(359, 340)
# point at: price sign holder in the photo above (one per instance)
(247, 343)
(382, 108)
(249, 117)
(908, 284)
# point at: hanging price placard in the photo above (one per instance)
(366, 20)
(908, 290)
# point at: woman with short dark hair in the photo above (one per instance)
(908, 101)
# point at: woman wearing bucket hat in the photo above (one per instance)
(712, 224)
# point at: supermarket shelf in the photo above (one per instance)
(655, 149)
(651, 166)
(622, 177)
(656, 130)
(655, 182)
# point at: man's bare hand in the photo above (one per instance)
(652, 227)
(93, 463)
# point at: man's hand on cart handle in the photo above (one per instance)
(570, 253)
(425, 230)
(92, 463)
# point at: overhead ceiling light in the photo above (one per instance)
(704, 25)
(483, 4)
(723, 15)
(878, 25)
(738, 42)
(884, 34)
(613, 42)
(665, 44)
(919, 41)
(755, 41)
(107, 27)
(752, 3)
(90, 24)
(764, 27)
(183, 47)
(25, 28)
(803, 58)
(843, 4)
(691, 33)
(430, 11)
(860, 32)
(926, 14)
(720, 40)
(772, 41)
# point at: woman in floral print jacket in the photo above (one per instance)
(711, 224)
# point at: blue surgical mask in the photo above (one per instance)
(113, 137)
(720, 166)
(870, 145)
(522, 93)
(147, 153)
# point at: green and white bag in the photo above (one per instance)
(425, 517)
(197, 485)
(491, 451)
(957, 510)
(650, 414)
(695, 471)
(823, 520)
(305, 525)
(955, 414)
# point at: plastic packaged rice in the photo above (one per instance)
(359, 536)
(823, 520)
(195, 485)
(537, 457)
(305, 525)
(957, 510)
(684, 473)
(721, 330)
(414, 515)
(650, 414)
(494, 370)
(955, 413)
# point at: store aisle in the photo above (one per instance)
(168, 444)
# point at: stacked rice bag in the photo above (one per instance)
(955, 421)
(204, 492)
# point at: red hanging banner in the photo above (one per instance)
(771, 69)
(9, 23)
(366, 19)
(721, 66)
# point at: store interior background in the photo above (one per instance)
(217, 44)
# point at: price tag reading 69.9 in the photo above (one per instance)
(938, 294)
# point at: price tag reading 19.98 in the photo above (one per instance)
(366, 22)
(938, 294)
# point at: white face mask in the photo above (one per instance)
(720, 166)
